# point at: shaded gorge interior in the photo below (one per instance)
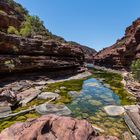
(87, 101)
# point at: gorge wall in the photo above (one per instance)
(123, 52)
(26, 45)
(18, 54)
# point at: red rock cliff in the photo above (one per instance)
(123, 52)
(22, 54)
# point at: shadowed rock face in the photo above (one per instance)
(89, 53)
(52, 127)
(123, 52)
(19, 54)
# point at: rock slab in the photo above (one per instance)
(53, 109)
(52, 127)
(114, 110)
(48, 95)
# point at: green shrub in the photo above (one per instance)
(26, 29)
(3, 12)
(12, 30)
(135, 68)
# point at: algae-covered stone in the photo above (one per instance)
(114, 110)
(85, 115)
(21, 118)
(73, 93)
(62, 88)
(95, 102)
(94, 118)
(57, 91)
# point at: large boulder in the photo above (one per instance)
(52, 127)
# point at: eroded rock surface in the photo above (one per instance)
(52, 127)
(24, 54)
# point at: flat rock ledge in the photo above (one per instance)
(52, 127)
(113, 110)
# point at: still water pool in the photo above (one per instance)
(89, 105)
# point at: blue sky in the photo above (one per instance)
(95, 23)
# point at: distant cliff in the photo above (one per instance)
(89, 53)
(123, 52)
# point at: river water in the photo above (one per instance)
(89, 105)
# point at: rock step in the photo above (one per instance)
(28, 95)
(5, 110)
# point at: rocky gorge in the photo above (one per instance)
(46, 90)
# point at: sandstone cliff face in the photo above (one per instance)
(22, 54)
(18, 54)
(123, 52)
(89, 53)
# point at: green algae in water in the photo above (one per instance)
(89, 104)
(72, 85)
(5, 123)
(114, 80)
(65, 98)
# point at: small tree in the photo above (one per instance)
(135, 68)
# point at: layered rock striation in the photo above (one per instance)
(123, 52)
(40, 50)
(19, 54)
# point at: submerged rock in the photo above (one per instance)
(92, 84)
(73, 93)
(95, 102)
(114, 110)
(57, 91)
(47, 95)
(62, 88)
(53, 109)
